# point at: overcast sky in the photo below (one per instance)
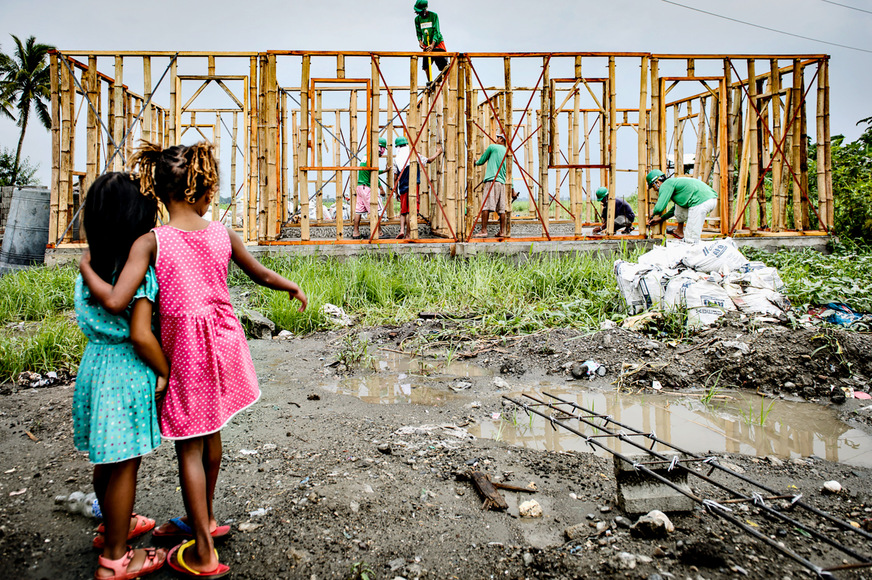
(468, 25)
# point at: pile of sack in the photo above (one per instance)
(708, 279)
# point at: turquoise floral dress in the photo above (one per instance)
(114, 413)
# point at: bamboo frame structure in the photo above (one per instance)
(305, 122)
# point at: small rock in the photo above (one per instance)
(832, 486)
(654, 524)
(500, 383)
(733, 467)
(528, 558)
(623, 561)
(248, 527)
(655, 576)
(659, 552)
(530, 509)
(838, 397)
(604, 509)
(396, 564)
(789, 386)
(385, 448)
(623, 522)
(774, 461)
(575, 532)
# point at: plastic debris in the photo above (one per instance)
(80, 503)
(336, 315)
(832, 486)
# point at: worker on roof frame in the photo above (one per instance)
(429, 37)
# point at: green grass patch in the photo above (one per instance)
(814, 278)
(56, 343)
(503, 297)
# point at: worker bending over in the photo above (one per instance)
(624, 215)
(692, 201)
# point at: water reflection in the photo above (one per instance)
(788, 429)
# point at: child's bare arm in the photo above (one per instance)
(116, 298)
(261, 274)
(145, 343)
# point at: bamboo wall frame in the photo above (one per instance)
(569, 133)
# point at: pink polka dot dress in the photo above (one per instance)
(211, 372)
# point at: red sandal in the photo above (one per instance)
(143, 525)
(177, 563)
(154, 560)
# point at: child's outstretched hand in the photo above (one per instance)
(160, 388)
(301, 296)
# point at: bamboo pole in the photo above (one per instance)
(509, 124)
(642, 185)
(216, 141)
(318, 144)
(233, 148)
(118, 115)
(374, 114)
(723, 163)
(613, 147)
(340, 219)
(827, 143)
(147, 115)
(304, 150)
(451, 147)
(284, 155)
(355, 150)
(389, 138)
(66, 167)
(262, 150)
(295, 146)
(796, 131)
(412, 124)
(544, 153)
(54, 195)
(92, 136)
(742, 183)
(471, 151)
(678, 144)
(460, 140)
(753, 147)
(250, 182)
(800, 153)
(774, 89)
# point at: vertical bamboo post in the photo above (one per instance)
(71, 114)
(774, 90)
(147, 117)
(555, 147)
(509, 124)
(372, 144)
(262, 150)
(353, 154)
(575, 139)
(233, 148)
(173, 118)
(820, 148)
(304, 149)
(642, 149)
(54, 194)
(712, 142)
(732, 138)
(803, 155)
(742, 183)
(295, 146)
(438, 132)
(216, 141)
(412, 124)
(797, 104)
(65, 174)
(92, 136)
(528, 158)
(827, 144)
(451, 147)
(318, 144)
(678, 143)
(471, 209)
(588, 204)
(250, 209)
(613, 147)
(753, 146)
(544, 153)
(699, 158)
(723, 163)
(283, 156)
(340, 219)
(118, 114)
(389, 176)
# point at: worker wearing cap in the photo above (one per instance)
(692, 201)
(494, 195)
(429, 36)
(402, 154)
(624, 215)
(363, 190)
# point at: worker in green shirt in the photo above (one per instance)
(429, 37)
(495, 198)
(692, 201)
(363, 190)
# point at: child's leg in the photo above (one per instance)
(115, 486)
(212, 466)
(192, 458)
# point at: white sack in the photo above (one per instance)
(715, 256)
(627, 275)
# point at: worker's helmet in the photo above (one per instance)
(420, 6)
(602, 193)
(654, 176)
(400, 141)
(382, 142)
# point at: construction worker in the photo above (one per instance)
(624, 215)
(494, 195)
(429, 37)
(402, 155)
(363, 190)
(692, 201)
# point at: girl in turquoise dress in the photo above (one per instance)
(122, 373)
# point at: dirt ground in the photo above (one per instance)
(317, 484)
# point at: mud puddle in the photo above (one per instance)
(743, 424)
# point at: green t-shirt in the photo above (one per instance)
(683, 191)
(363, 177)
(427, 29)
(494, 155)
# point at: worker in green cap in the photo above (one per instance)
(624, 215)
(692, 200)
(429, 37)
(494, 196)
(363, 190)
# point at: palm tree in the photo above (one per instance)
(25, 84)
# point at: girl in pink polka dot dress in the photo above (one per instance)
(211, 372)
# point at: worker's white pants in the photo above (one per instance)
(694, 218)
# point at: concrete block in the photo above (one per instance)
(639, 493)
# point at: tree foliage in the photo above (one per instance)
(852, 185)
(21, 175)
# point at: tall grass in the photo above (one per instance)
(502, 296)
(814, 278)
(34, 293)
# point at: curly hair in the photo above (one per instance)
(176, 173)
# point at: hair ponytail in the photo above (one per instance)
(147, 156)
(202, 171)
